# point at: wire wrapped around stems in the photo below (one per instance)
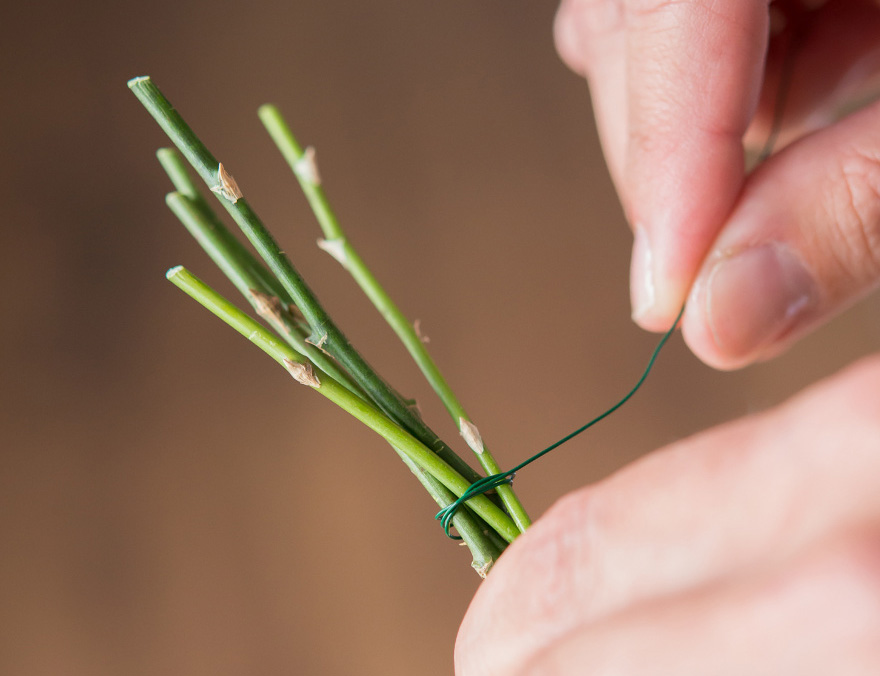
(492, 481)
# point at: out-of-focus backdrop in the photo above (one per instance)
(170, 501)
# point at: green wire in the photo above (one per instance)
(494, 480)
(786, 76)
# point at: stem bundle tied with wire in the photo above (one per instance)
(299, 334)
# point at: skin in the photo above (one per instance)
(676, 86)
(753, 548)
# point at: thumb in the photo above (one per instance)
(802, 243)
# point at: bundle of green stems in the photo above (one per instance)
(297, 332)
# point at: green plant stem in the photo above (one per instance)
(216, 245)
(241, 269)
(341, 248)
(483, 541)
(324, 330)
(351, 403)
(238, 264)
(214, 235)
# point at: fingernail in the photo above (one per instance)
(754, 297)
(641, 283)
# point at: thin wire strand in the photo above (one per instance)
(786, 75)
(494, 480)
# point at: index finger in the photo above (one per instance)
(694, 71)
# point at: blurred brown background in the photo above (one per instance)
(170, 502)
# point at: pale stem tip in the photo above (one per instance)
(173, 271)
(302, 373)
(227, 187)
(137, 80)
(471, 435)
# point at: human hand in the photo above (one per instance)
(753, 548)
(676, 85)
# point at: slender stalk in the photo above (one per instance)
(483, 542)
(324, 331)
(214, 233)
(233, 261)
(238, 264)
(337, 244)
(369, 415)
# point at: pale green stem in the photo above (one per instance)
(337, 244)
(214, 233)
(217, 243)
(243, 271)
(483, 542)
(365, 412)
(324, 330)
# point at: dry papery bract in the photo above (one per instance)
(302, 373)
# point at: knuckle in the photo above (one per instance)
(582, 27)
(854, 214)
(593, 18)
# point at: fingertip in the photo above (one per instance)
(657, 290)
(656, 319)
(652, 318)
